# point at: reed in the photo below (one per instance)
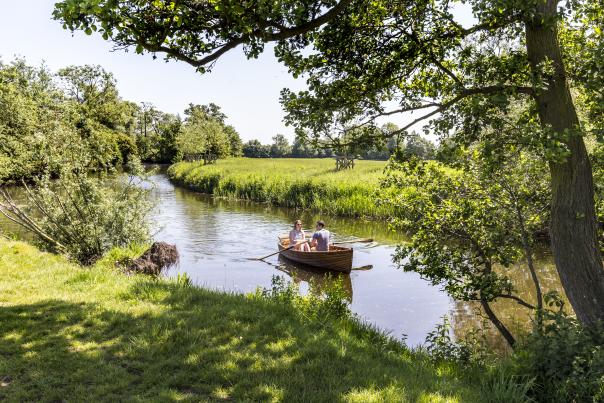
(308, 184)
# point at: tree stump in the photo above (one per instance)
(158, 257)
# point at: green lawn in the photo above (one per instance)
(74, 334)
(289, 182)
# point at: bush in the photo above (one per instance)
(565, 359)
(83, 216)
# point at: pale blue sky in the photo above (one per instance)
(247, 90)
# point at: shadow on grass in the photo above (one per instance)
(167, 342)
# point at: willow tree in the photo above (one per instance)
(362, 56)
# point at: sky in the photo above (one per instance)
(246, 90)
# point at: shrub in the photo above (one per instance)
(565, 358)
(83, 216)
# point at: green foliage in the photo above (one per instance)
(302, 148)
(565, 359)
(300, 183)
(441, 346)
(156, 134)
(94, 91)
(454, 238)
(331, 304)
(202, 137)
(235, 141)
(127, 148)
(106, 148)
(30, 135)
(415, 146)
(280, 147)
(582, 39)
(255, 149)
(597, 160)
(204, 132)
(402, 147)
(465, 222)
(499, 387)
(84, 216)
(42, 114)
(101, 117)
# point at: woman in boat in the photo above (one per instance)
(297, 237)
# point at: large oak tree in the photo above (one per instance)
(359, 56)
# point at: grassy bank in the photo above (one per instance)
(74, 334)
(289, 182)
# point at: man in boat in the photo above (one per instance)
(320, 239)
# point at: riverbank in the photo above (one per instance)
(302, 183)
(70, 333)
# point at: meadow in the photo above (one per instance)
(95, 334)
(308, 184)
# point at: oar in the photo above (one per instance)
(353, 241)
(273, 254)
(366, 267)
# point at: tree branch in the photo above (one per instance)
(464, 94)
(507, 335)
(283, 33)
(440, 107)
(446, 71)
(518, 300)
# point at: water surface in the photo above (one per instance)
(216, 236)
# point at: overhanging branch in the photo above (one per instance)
(441, 107)
(262, 34)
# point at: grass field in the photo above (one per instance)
(74, 334)
(289, 182)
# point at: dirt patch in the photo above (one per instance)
(158, 257)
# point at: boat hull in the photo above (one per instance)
(338, 258)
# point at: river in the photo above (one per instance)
(216, 238)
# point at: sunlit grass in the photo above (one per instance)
(74, 334)
(289, 182)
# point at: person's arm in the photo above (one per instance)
(292, 238)
(313, 241)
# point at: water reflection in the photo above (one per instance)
(468, 316)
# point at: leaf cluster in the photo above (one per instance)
(466, 222)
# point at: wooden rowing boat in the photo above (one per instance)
(338, 258)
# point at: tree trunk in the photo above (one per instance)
(573, 223)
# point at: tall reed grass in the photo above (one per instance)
(309, 184)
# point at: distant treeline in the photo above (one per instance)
(48, 117)
(404, 146)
